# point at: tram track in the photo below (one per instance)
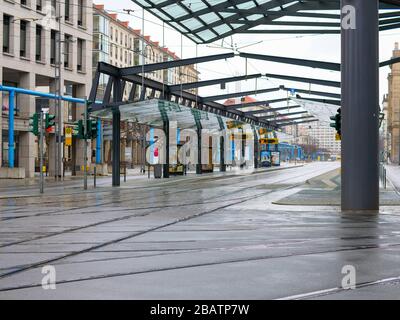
(308, 295)
(231, 202)
(125, 191)
(136, 234)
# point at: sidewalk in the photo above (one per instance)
(30, 187)
(393, 175)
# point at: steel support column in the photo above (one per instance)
(256, 148)
(116, 147)
(222, 165)
(166, 164)
(360, 106)
(198, 165)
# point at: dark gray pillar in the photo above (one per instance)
(360, 106)
(256, 148)
(116, 147)
(166, 164)
(198, 165)
(222, 166)
(242, 149)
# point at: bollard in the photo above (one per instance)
(125, 173)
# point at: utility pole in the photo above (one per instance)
(85, 130)
(41, 151)
(57, 78)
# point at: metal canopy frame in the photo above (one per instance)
(206, 21)
(120, 76)
(264, 111)
(255, 103)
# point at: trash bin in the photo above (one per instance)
(158, 171)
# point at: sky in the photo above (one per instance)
(314, 47)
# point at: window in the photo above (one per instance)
(23, 26)
(6, 33)
(38, 52)
(24, 2)
(80, 13)
(39, 5)
(112, 33)
(80, 59)
(53, 49)
(96, 42)
(67, 50)
(67, 10)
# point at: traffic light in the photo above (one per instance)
(50, 121)
(89, 105)
(337, 124)
(78, 130)
(92, 129)
(34, 124)
(381, 118)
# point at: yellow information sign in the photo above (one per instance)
(269, 141)
(68, 136)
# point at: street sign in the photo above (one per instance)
(269, 141)
(68, 136)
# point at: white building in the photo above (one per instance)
(27, 60)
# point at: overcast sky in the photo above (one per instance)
(315, 47)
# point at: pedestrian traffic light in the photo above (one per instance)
(34, 124)
(78, 130)
(50, 121)
(92, 129)
(337, 124)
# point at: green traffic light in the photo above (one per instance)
(93, 129)
(50, 121)
(34, 124)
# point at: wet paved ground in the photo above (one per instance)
(195, 237)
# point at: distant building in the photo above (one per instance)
(325, 137)
(393, 108)
(116, 43)
(319, 134)
(384, 136)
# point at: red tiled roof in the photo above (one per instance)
(246, 99)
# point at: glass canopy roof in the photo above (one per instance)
(154, 112)
(205, 21)
(322, 111)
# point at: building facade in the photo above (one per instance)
(116, 43)
(325, 137)
(393, 108)
(31, 38)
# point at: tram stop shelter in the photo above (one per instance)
(357, 21)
